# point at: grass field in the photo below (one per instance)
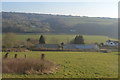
(58, 38)
(74, 64)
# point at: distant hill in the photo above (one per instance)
(47, 23)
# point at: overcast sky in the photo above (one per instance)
(91, 8)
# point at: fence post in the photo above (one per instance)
(25, 56)
(42, 56)
(6, 55)
(15, 56)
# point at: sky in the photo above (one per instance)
(81, 8)
(59, 0)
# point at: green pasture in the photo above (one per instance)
(58, 38)
(74, 64)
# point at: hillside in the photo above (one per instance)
(47, 23)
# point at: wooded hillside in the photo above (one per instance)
(47, 23)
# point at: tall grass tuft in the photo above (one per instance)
(28, 66)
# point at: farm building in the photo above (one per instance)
(47, 46)
(111, 43)
(81, 46)
(67, 47)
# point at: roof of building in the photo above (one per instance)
(80, 46)
(68, 46)
(112, 41)
(47, 45)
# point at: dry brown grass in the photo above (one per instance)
(28, 66)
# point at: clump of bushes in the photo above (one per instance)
(28, 66)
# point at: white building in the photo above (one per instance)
(112, 43)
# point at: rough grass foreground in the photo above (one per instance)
(28, 66)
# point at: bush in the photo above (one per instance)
(28, 66)
(9, 40)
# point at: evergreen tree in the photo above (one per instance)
(62, 44)
(79, 40)
(42, 40)
(76, 41)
